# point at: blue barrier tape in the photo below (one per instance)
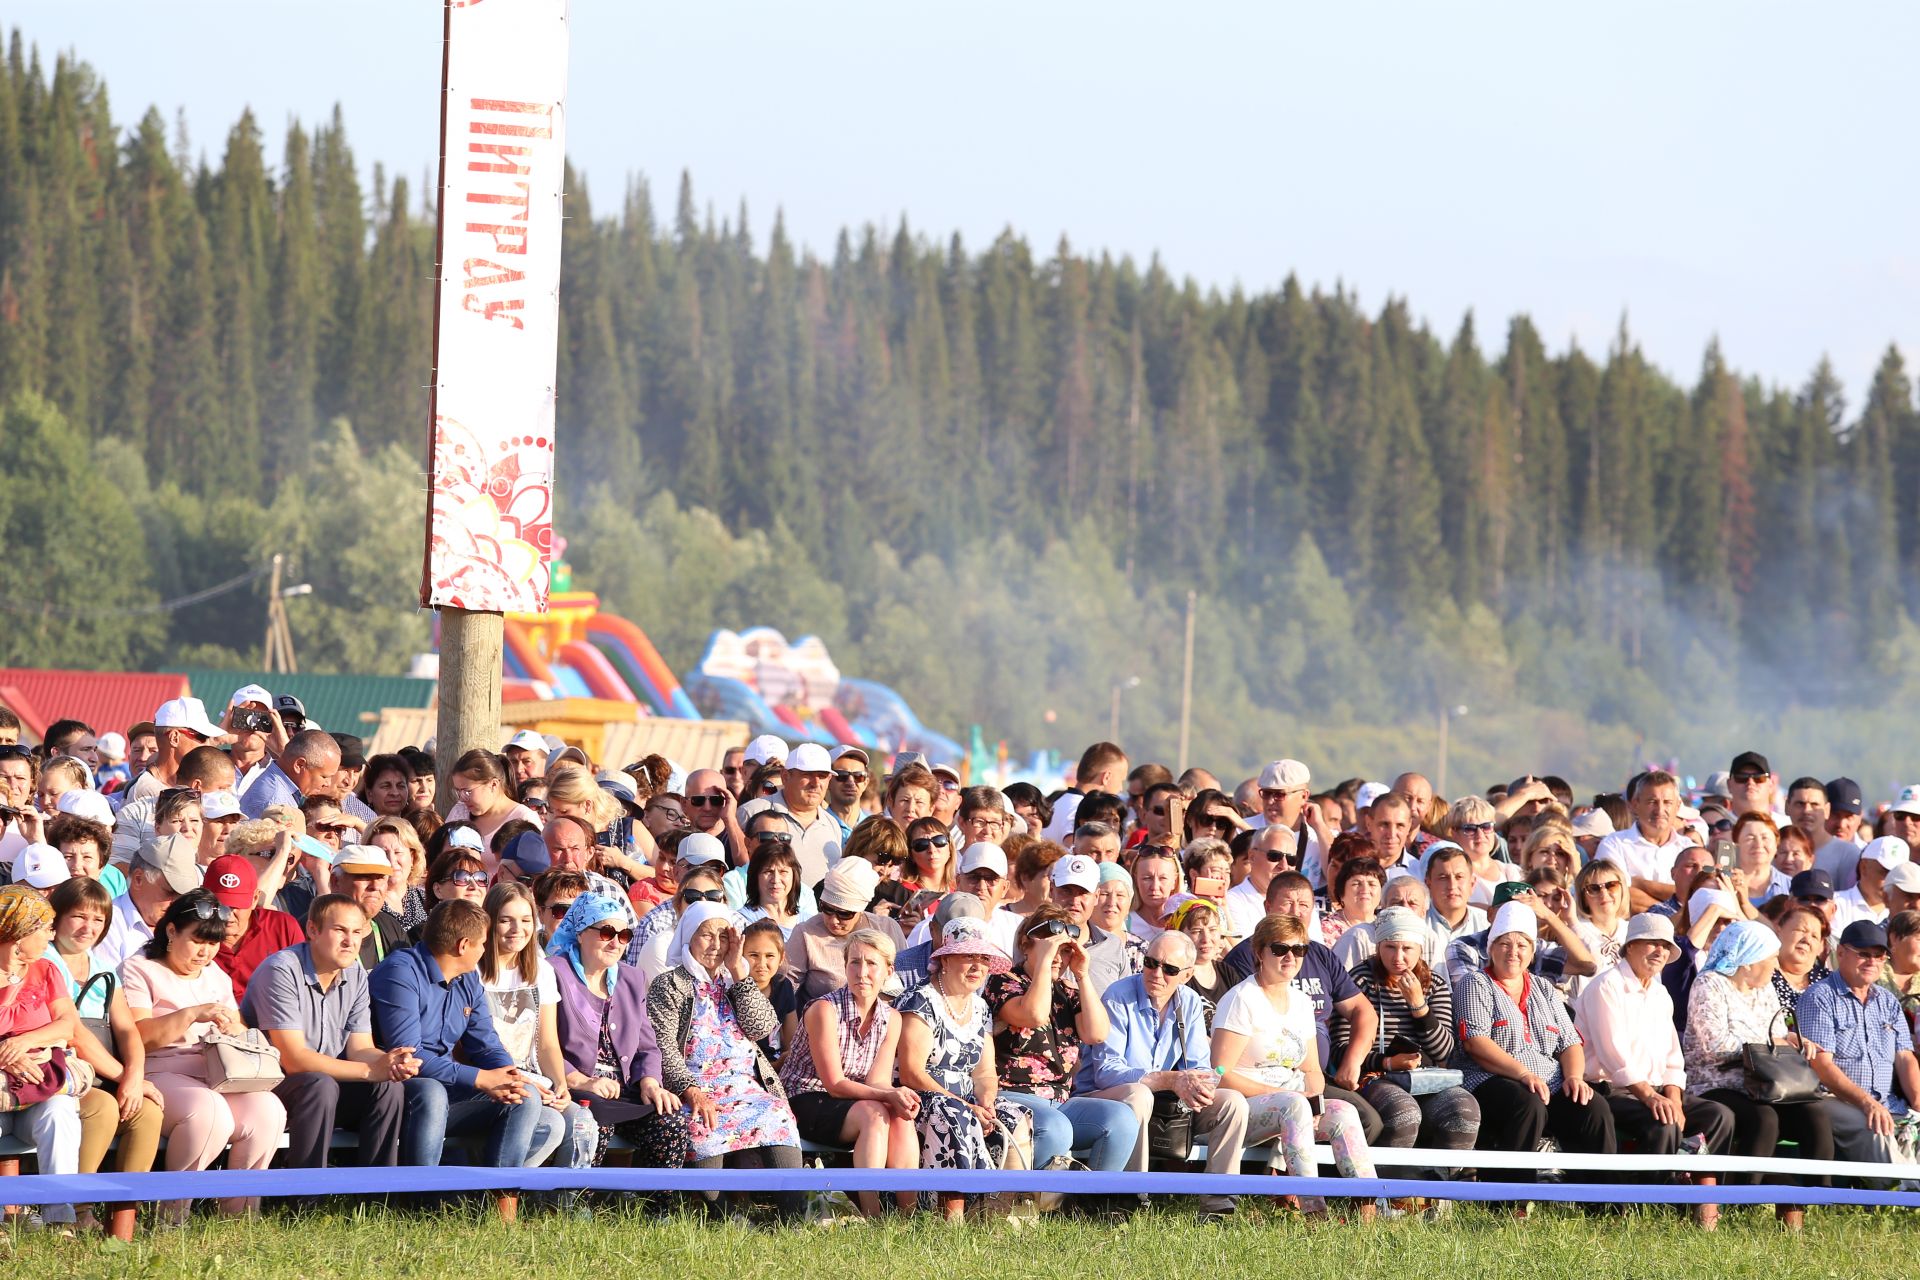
(87, 1188)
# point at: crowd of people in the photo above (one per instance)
(253, 943)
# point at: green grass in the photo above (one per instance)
(1166, 1243)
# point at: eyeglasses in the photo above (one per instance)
(208, 910)
(1275, 793)
(925, 843)
(837, 913)
(948, 784)
(466, 879)
(848, 775)
(558, 910)
(1474, 828)
(691, 896)
(1281, 950)
(1601, 886)
(703, 802)
(774, 837)
(607, 933)
(1171, 970)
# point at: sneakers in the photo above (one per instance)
(1215, 1209)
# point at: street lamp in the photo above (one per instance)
(1447, 716)
(1113, 721)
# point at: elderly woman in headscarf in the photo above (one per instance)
(1520, 1054)
(37, 1028)
(1405, 1074)
(606, 1038)
(707, 1013)
(1732, 1005)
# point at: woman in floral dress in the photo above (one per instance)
(946, 1056)
(706, 1014)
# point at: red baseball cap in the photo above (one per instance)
(233, 881)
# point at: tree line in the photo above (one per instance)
(1379, 518)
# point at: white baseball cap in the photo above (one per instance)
(1285, 775)
(186, 713)
(527, 740)
(699, 849)
(40, 866)
(809, 757)
(250, 693)
(113, 746)
(764, 748)
(1368, 793)
(1888, 851)
(465, 838)
(1077, 872)
(984, 857)
(1905, 878)
(362, 860)
(90, 805)
(215, 805)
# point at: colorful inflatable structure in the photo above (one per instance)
(791, 690)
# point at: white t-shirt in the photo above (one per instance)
(1278, 1041)
(516, 1005)
(1245, 907)
(1640, 857)
(125, 935)
(1850, 905)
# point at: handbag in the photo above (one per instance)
(101, 1027)
(62, 1073)
(241, 1064)
(1170, 1127)
(1777, 1073)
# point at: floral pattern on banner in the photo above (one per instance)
(491, 530)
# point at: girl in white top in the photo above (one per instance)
(524, 997)
(1266, 1047)
(1600, 907)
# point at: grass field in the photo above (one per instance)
(1473, 1245)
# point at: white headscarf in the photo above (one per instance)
(690, 921)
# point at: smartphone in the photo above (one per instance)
(1725, 855)
(1212, 888)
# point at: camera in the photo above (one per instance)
(245, 721)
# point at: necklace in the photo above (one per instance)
(956, 1014)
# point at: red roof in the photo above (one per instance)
(107, 700)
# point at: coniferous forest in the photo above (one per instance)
(987, 474)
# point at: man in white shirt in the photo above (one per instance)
(255, 728)
(1625, 1015)
(1867, 899)
(1647, 848)
(162, 870)
(1272, 851)
(1451, 914)
(803, 794)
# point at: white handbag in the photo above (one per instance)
(245, 1063)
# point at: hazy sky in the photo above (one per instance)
(1745, 169)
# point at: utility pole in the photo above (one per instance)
(278, 650)
(1186, 689)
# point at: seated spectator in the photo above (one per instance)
(177, 996)
(457, 874)
(36, 1016)
(1520, 1054)
(946, 1056)
(1805, 943)
(1902, 975)
(913, 965)
(554, 893)
(1414, 1006)
(429, 998)
(85, 843)
(1756, 842)
(1264, 1046)
(1867, 900)
(1033, 861)
(773, 888)
(765, 952)
(1868, 1061)
(1634, 1060)
(1451, 913)
(1402, 889)
(1157, 1041)
(1075, 881)
(1733, 1005)
(524, 997)
(479, 785)
(1357, 889)
(1470, 823)
(706, 1016)
(311, 1001)
(1042, 1018)
(161, 871)
(362, 872)
(610, 1056)
(253, 933)
(880, 841)
(816, 949)
(1201, 920)
(690, 851)
(384, 786)
(697, 884)
(1564, 957)
(123, 1105)
(406, 883)
(838, 1071)
(1601, 896)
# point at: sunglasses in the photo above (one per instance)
(212, 911)
(466, 879)
(1281, 855)
(1049, 929)
(1212, 820)
(888, 860)
(1477, 828)
(607, 933)
(1158, 811)
(1281, 950)
(847, 775)
(703, 802)
(774, 837)
(691, 896)
(925, 843)
(770, 788)
(1748, 778)
(838, 913)
(1171, 970)
(332, 828)
(537, 803)
(947, 784)
(1724, 824)
(558, 910)
(1601, 886)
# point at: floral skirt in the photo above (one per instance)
(952, 1137)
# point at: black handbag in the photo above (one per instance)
(1777, 1073)
(1170, 1127)
(101, 1027)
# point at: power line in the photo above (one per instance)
(164, 606)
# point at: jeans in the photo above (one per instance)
(436, 1112)
(1052, 1130)
(572, 1133)
(54, 1127)
(1104, 1128)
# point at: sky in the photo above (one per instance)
(1709, 168)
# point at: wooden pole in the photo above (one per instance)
(469, 690)
(1186, 689)
(1440, 773)
(269, 652)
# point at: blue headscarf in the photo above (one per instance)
(588, 909)
(1739, 944)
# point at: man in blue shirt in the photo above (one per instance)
(306, 768)
(1157, 1041)
(1868, 1047)
(430, 997)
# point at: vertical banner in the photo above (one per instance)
(497, 315)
